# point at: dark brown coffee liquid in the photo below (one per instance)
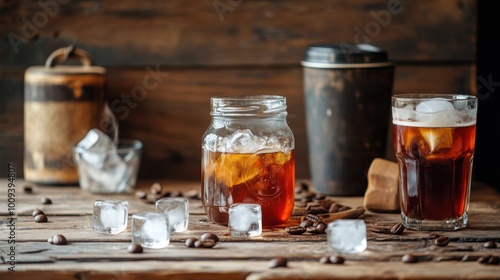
(435, 166)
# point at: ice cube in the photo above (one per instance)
(245, 220)
(177, 211)
(96, 143)
(150, 230)
(243, 141)
(100, 168)
(434, 106)
(347, 235)
(110, 216)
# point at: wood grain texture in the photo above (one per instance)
(89, 255)
(248, 33)
(171, 117)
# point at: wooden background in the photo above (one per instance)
(248, 47)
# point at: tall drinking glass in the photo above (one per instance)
(434, 137)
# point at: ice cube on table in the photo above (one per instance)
(245, 220)
(150, 230)
(347, 235)
(177, 211)
(110, 216)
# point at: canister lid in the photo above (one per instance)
(52, 73)
(345, 56)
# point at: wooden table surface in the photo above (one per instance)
(90, 255)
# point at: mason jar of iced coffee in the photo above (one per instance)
(248, 156)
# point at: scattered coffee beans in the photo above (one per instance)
(134, 248)
(409, 258)
(40, 218)
(489, 245)
(59, 239)
(295, 230)
(278, 262)
(337, 259)
(398, 229)
(442, 241)
(190, 242)
(306, 223)
(209, 235)
(46, 200)
(37, 212)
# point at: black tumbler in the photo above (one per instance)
(348, 90)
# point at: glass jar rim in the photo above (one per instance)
(431, 96)
(248, 105)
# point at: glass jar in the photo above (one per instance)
(248, 156)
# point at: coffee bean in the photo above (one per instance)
(156, 188)
(134, 248)
(334, 208)
(207, 243)
(398, 229)
(306, 223)
(337, 259)
(489, 245)
(494, 260)
(141, 194)
(59, 239)
(380, 229)
(321, 228)
(312, 217)
(209, 235)
(40, 218)
(28, 189)
(442, 241)
(312, 229)
(324, 259)
(278, 262)
(295, 230)
(409, 258)
(484, 259)
(37, 212)
(465, 258)
(326, 203)
(46, 200)
(190, 242)
(316, 210)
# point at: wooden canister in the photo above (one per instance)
(61, 104)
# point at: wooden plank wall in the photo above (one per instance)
(217, 47)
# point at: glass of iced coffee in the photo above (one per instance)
(434, 137)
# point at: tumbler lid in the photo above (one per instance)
(345, 56)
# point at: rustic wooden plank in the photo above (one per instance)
(37, 252)
(172, 117)
(253, 32)
(254, 270)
